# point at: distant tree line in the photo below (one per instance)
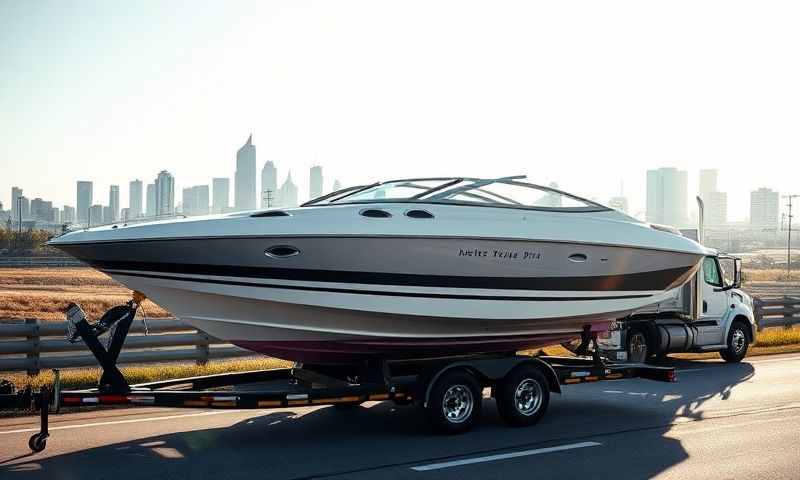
(27, 242)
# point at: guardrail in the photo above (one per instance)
(40, 262)
(32, 345)
(777, 312)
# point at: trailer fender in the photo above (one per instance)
(493, 369)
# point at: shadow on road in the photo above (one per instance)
(328, 441)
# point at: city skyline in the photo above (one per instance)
(502, 103)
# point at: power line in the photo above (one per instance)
(789, 238)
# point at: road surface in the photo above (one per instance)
(718, 421)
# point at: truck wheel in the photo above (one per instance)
(522, 396)
(638, 350)
(737, 344)
(455, 402)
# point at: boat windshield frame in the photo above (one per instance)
(438, 195)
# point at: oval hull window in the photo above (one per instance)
(271, 213)
(577, 258)
(375, 213)
(419, 214)
(281, 251)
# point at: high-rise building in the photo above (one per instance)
(195, 200)
(221, 194)
(95, 215)
(269, 185)
(84, 202)
(151, 200)
(315, 182)
(764, 208)
(113, 202)
(55, 215)
(134, 199)
(666, 196)
(108, 215)
(125, 214)
(165, 193)
(288, 193)
(245, 180)
(337, 185)
(16, 192)
(715, 203)
(68, 214)
(42, 210)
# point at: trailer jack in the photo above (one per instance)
(119, 319)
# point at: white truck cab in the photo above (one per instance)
(708, 314)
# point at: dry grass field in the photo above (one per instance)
(44, 293)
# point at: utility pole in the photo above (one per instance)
(789, 240)
(268, 197)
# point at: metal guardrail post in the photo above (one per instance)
(201, 348)
(788, 314)
(758, 313)
(33, 353)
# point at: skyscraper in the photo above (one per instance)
(195, 200)
(68, 214)
(221, 194)
(666, 196)
(24, 208)
(337, 185)
(84, 201)
(245, 180)
(135, 199)
(764, 208)
(16, 192)
(113, 202)
(715, 210)
(151, 200)
(288, 193)
(165, 193)
(94, 215)
(315, 182)
(269, 183)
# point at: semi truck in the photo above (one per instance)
(710, 313)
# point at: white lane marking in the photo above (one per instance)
(120, 422)
(503, 456)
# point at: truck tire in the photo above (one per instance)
(523, 396)
(455, 401)
(737, 342)
(638, 346)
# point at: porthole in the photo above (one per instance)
(375, 213)
(271, 213)
(281, 251)
(577, 258)
(419, 214)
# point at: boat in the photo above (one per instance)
(410, 268)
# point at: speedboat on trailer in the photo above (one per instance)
(402, 269)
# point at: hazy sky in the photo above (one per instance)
(588, 94)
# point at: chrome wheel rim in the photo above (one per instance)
(528, 397)
(638, 347)
(457, 403)
(738, 340)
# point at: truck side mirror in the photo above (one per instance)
(737, 273)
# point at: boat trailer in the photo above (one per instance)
(450, 389)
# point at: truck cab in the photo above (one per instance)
(710, 313)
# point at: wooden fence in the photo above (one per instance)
(33, 345)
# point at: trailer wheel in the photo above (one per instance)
(737, 344)
(638, 349)
(37, 442)
(523, 396)
(454, 403)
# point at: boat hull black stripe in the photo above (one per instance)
(640, 281)
(378, 292)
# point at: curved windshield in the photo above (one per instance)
(503, 192)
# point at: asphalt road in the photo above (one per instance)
(718, 421)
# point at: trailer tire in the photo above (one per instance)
(523, 396)
(737, 343)
(454, 404)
